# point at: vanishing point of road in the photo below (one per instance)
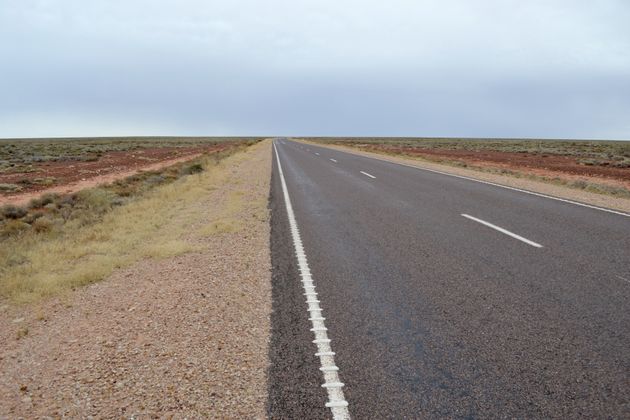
(440, 296)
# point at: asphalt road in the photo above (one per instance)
(433, 314)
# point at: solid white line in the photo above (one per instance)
(333, 385)
(366, 174)
(507, 232)
(551, 197)
(336, 400)
(333, 160)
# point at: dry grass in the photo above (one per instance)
(153, 225)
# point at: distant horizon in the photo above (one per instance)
(310, 137)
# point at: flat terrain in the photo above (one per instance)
(33, 166)
(433, 314)
(599, 166)
(181, 332)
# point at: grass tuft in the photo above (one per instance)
(81, 238)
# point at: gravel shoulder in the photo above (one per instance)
(586, 197)
(184, 336)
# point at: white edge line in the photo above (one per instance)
(500, 229)
(336, 399)
(366, 174)
(551, 197)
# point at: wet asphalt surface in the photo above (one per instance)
(432, 315)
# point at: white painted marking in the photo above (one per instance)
(624, 279)
(500, 229)
(317, 153)
(333, 160)
(494, 184)
(333, 385)
(336, 400)
(337, 404)
(366, 174)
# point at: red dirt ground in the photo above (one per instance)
(71, 176)
(539, 164)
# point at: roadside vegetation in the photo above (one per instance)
(589, 153)
(59, 242)
(23, 155)
(601, 167)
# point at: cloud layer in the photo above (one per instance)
(489, 68)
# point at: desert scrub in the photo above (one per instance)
(55, 255)
(89, 205)
(592, 153)
(18, 155)
(10, 188)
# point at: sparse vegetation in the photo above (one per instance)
(599, 162)
(102, 228)
(20, 155)
(590, 152)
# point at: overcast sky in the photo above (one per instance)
(474, 68)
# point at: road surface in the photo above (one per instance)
(445, 297)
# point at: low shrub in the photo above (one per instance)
(10, 211)
(42, 225)
(13, 227)
(10, 188)
(42, 201)
(195, 168)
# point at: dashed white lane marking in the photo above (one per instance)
(366, 174)
(494, 184)
(336, 400)
(317, 153)
(333, 160)
(624, 279)
(500, 229)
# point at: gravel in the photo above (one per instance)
(184, 337)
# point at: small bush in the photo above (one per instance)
(579, 184)
(42, 201)
(195, 168)
(95, 199)
(10, 188)
(47, 182)
(42, 225)
(155, 180)
(13, 227)
(10, 211)
(32, 216)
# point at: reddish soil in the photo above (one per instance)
(539, 164)
(71, 176)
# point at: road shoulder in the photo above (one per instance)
(183, 336)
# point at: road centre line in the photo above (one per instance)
(505, 231)
(494, 184)
(317, 153)
(624, 279)
(333, 160)
(336, 399)
(366, 174)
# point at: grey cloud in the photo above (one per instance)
(435, 68)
